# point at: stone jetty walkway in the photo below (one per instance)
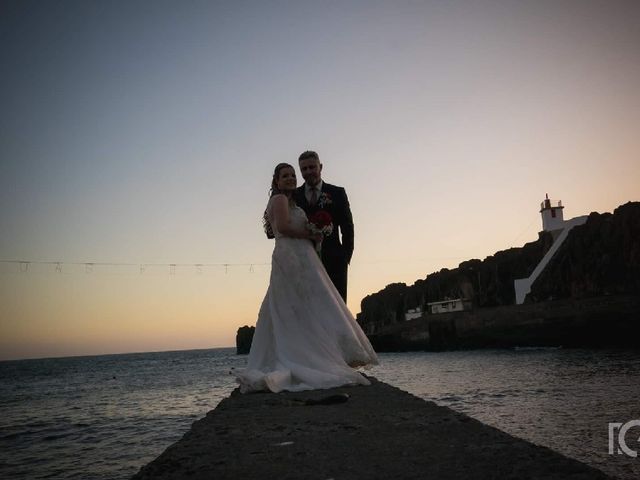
(381, 432)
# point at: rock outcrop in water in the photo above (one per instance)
(244, 337)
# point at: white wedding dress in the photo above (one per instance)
(305, 337)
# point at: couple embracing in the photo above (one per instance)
(306, 338)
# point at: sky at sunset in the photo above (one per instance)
(145, 133)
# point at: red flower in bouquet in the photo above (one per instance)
(321, 222)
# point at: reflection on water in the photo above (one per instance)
(104, 417)
(562, 399)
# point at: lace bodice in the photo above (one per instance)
(297, 218)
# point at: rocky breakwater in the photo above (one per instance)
(380, 432)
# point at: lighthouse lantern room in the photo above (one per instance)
(552, 218)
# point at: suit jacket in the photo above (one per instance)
(336, 248)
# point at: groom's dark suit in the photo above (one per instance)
(336, 251)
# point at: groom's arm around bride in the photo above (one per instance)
(315, 195)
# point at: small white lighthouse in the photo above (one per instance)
(552, 218)
(552, 221)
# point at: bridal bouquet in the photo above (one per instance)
(321, 222)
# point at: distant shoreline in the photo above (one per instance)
(113, 354)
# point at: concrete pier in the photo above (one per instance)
(380, 432)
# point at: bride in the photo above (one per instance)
(305, 336)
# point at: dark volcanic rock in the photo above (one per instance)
(597, 322)
(487, 283)
(601, 257)
(598, 259)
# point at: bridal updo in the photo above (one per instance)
(268, 230)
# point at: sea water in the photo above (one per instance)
(103, 417)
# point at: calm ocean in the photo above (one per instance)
(103, 417)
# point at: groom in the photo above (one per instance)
(315, 195)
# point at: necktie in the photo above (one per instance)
(314, 196)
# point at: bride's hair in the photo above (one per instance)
(266, 224)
